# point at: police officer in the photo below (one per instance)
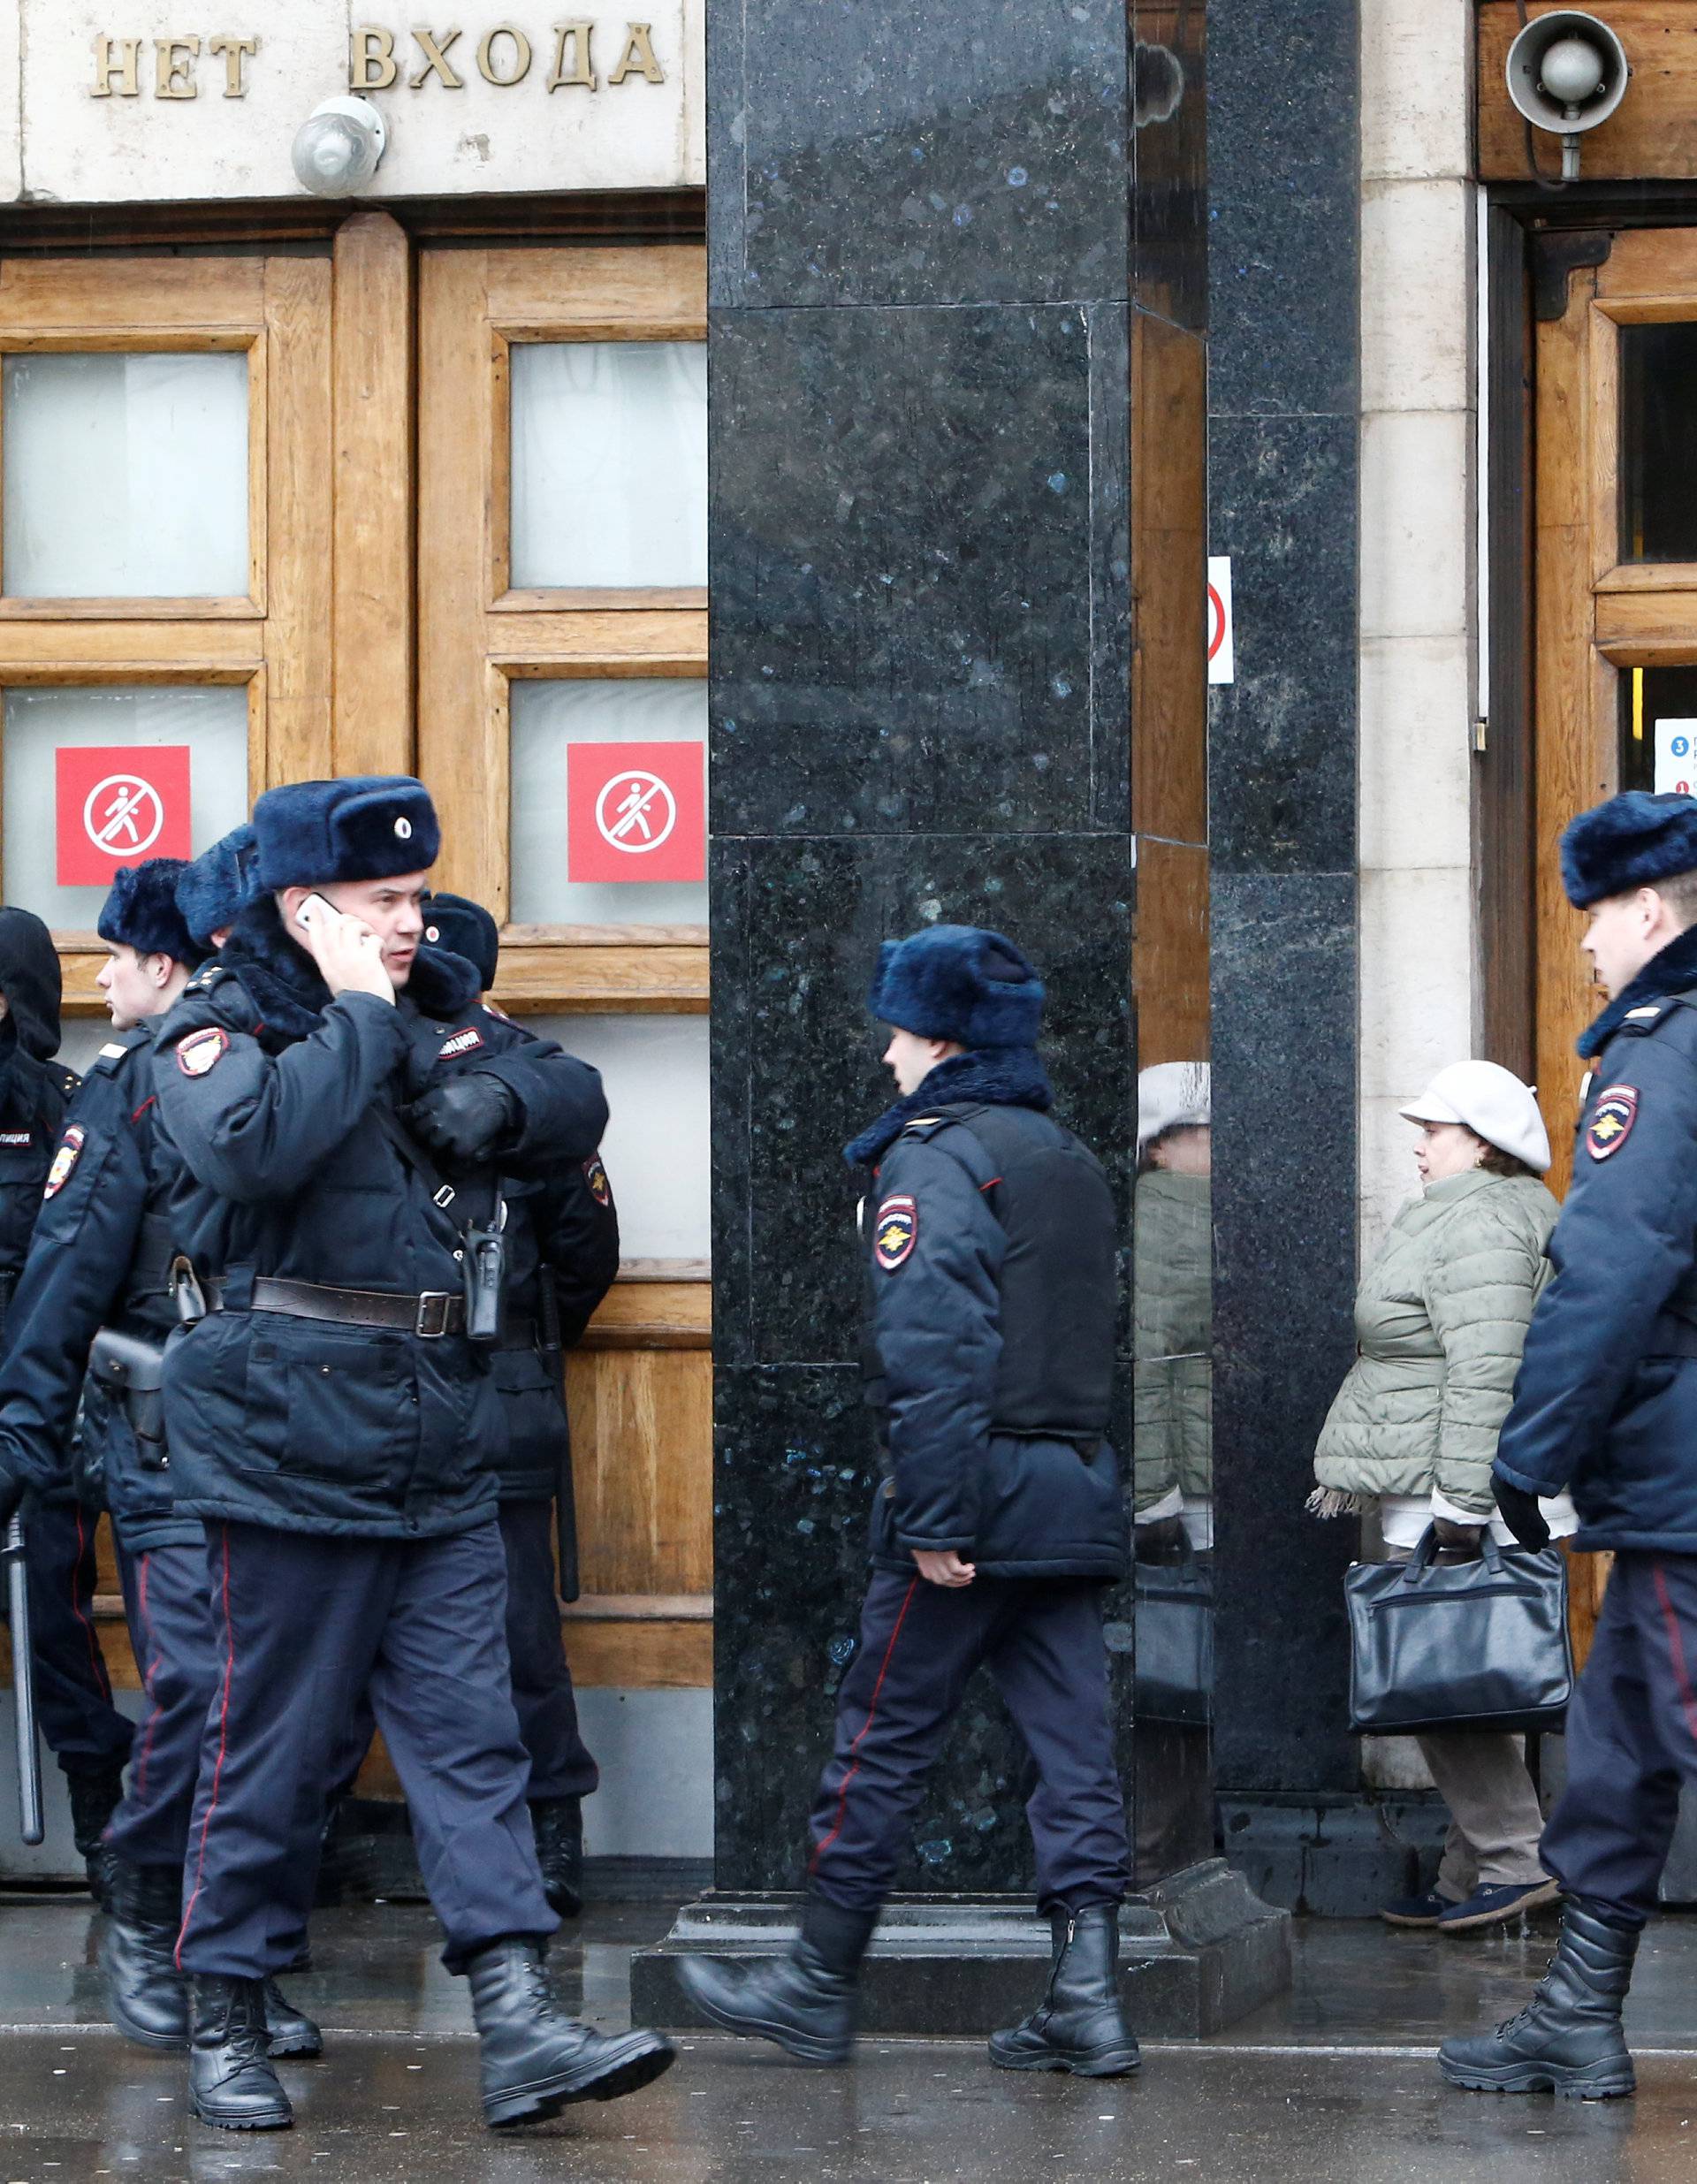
(101, 1258)
(563, 1238)
(990, 1248)
(1606, 1405)
(88, 1736)
(328, 1418)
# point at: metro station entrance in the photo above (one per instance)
(372, 503)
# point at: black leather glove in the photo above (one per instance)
(471, 1118)
(1520, 1510)
(1461, 1541)
(1160, 1541)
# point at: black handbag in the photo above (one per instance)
(1173, 1642)
(1481, 1644)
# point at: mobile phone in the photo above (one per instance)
(310, 909)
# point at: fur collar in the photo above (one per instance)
(990, 1076)
(1672, 970)
(283, 983)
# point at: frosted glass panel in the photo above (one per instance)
(655, 1072)
(211, 723)
(125, 476)
(547, 717)
(609, 463)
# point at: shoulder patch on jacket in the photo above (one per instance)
(466, 1042)
(895, 1232)
(595, 1177)
(65, 1160)
(1611, 1121)
(197, 1054)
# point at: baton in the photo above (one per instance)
(23, 1686)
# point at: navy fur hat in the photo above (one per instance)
(369, 826)
(218, 885)
(958, 982)
(142, 912)
(464, 928)
(1630, 842)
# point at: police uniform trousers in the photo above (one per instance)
(302, 1624)
(170, 1616)
(73, 1694)
(1632, 1739)
(1042, 1642)
(560, 1765)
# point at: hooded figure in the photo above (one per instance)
(34, 1090)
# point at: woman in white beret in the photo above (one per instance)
(1440, 1319)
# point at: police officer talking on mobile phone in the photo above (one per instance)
(340, 1108)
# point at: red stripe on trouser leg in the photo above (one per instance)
(223, 1738)
(871, 1715)
(96, 1660)
(1676, 1649)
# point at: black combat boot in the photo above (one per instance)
(559, 1825)
(292, 2032)
(536, 2059)
(231, 2081)
(96, 1794)
(147, 1996)
(1080, 2025)
(1568, 2038)
(806, 2001)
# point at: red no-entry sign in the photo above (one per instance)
(635, 811)
(116, 804)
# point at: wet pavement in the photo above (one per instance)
(1335, 2081)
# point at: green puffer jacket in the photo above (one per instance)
(1172, 1337)
(1440, 1323)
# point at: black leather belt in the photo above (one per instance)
(429, 1312)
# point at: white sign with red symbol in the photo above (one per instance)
(635, 811)
(1676, 767)
(1222, 668)
(116, 804)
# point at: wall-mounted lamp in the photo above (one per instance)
(1567, 72)
(337, 147)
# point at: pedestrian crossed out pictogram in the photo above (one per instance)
(116, 804)
(636, 812)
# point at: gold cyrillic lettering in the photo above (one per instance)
(123, 67)
(232, 49)
(435, 50)
(521, 54)
(581, 72)
(174, 68)
(638, 53)
(371, 64)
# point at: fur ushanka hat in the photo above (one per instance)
(142, 912)
(960, 983)
(1632, 840)
(369, 826)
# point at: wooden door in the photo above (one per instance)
(525, 611)
(1614, 671)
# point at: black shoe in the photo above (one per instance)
(147, 1996)
(96, 1794)
(559, 1825)
(806, 2001)
(231, 2081)
(1568, 2038)
(1080, 2025)
(292, 2032)
(536, 2059)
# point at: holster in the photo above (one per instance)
(135, 1371)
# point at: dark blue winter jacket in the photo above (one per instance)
(1606, 1400)
(100, 1258)
(991, 1247)
(269, 1097)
